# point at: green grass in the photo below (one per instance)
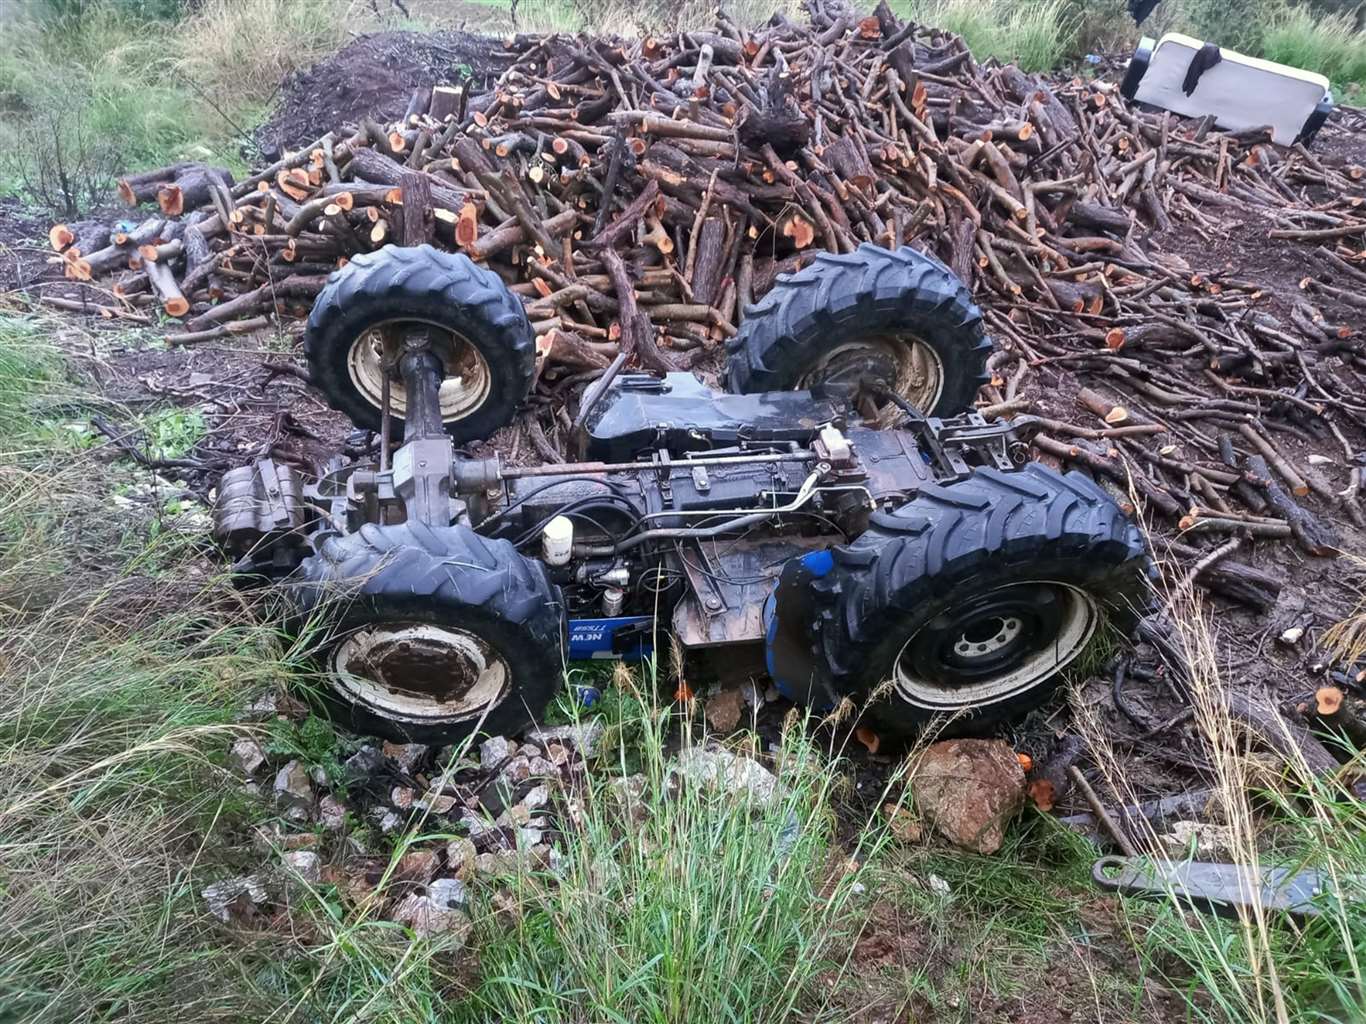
(120, 91)
(1036, 36)
(1328, 44)
(699, 905)
(124, 666)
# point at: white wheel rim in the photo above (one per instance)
(919, 370)
(464, 389)
(457, 676)
(1080, 620)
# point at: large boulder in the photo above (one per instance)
(969, 790)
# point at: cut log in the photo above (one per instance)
(163, 282)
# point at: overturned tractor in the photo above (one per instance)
(837, 518)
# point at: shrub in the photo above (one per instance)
(1034, 36)
(236, 53)
(1232, 24)
(61, 163)
(1328, 44)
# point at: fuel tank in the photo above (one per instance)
(640, 413)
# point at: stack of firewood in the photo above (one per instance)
(638, 194)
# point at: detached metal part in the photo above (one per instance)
(1228, 890)
(260, 514)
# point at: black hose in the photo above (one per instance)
(610, 484)
(575, 509)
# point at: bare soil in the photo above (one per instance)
(374, 77)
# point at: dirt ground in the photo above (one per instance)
(374, 77)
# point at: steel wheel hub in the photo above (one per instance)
(901, 363)
(995, 646)
(465, 387)
(419, 671)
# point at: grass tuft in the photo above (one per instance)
(124, 666)
(1036, 36)
(241, 51)
(1330, 44)
(674, 900)
(1257, 967)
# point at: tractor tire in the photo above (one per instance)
(898, 317)
(485, 339)
(963, 606)
(432, 633)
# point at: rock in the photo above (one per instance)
(247, 755)
(938, 886)
(530, 750)
(968, 790)
(515, 816)
(331, 812)
(537, 796)
(436, 912)
(720, 768)
(408, 755)
(723, 711)
(450, 892)
(361, 766)
(417, 866)
(305, 865)
(387, 821)
(584, 736)
(1202, 840)
(628, 792)
(294, 790)
(516, 771)
(902, 823)
(528, 837)
(401, 797)
(436, 803)
(236, 899)
(494, 751)
(497, 862)
(476, 825)
(460, 857)
(543, 768)
(262, 709)
(558, 753)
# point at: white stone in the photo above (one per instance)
(1207, 839)
(305, 864)
(494, 751)
(537, 796)
(247, 754)
(460, 855)
(719, 767)
(583, 736)
(234, 897)
(331, 812)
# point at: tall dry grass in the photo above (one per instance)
(1258, 967)
(124, 665)
(237, 51)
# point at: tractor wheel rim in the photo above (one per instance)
(419, 672)
(995, 646)
(467, 380)
(901, 362)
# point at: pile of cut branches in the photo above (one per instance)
(639, 194)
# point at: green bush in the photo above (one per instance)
(1233, 24)
(1328, 44)
(1035, 36)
